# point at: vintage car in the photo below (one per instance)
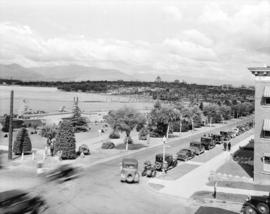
(185, 154)
(19, 201)
(129, 170)
(197, 147)
(217, 138)
(226, 135)
(149, 169)
(170, 162)
(63, 173)
(207, 142)
(256, 205)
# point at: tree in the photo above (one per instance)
(201, 106)
(226, 112)
(65, 141)
(161, 118)
(124, 119)
(49, 131)
(22, 144)
(212, 112)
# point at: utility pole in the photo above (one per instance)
(10, 127)
(163, 164)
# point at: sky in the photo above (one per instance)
(216, 39)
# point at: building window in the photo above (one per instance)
(266, 128)
(266, 95)
(266, 162)
(267, 100)
(266, 134)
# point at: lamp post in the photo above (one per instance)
(163, 162)
(10, 135)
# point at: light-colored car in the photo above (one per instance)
(129, 170)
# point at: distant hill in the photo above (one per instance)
(84, 73)
(15, 71)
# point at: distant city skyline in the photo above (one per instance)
(204, 39)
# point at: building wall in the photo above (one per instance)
(261, 145)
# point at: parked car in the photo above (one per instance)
(129, 170)
(185, 154)
(149, 169)
(18, 201)
(217, 138)
(207, 142)
(226, 135)
(170, 162)
(197, 147)
(256, 205)
(63, 173)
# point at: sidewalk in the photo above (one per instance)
(197, 179)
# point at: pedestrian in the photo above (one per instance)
(229, 146)
(215, 190)
(225, 146)
(48, 145)
(52, 146)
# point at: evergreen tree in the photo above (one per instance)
(65, 141)
(22, 142)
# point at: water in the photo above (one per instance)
(52, 99)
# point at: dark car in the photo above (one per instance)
(226, 135)
(208, 142)
(20, 202)
(129, 170)
(217, 138)
(170, 162)
(185, 154)
(63, 173)
(197, 147)
(149, 169)
(256, 205)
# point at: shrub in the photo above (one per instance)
(108, 145)
(22, 142)
(84, 149)
(114, 135)
(65, 141)
(143, 134)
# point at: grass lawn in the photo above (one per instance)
(220, 196)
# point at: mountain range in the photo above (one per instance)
(84, 73)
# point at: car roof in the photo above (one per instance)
(129, 161)
(195, 142)
(161, 155)
(185, 149)
(11, 193)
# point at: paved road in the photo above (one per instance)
(99, 190)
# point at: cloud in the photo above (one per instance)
(173, 12)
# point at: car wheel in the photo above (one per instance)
(263, 208)
(175, 164)
(154, 173)
(249, 210)
(144, 173)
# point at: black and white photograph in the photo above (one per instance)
(134, 106)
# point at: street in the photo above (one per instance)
(99, 190)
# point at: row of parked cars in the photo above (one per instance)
(129, 167)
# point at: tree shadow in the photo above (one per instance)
(134, 146)
(213, 210)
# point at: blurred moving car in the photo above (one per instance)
(256, 205)
(129, 170)
(185, 154)
(170, 162)
(63, 173)
(20, 202)
(149, 169)
(197, 147)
